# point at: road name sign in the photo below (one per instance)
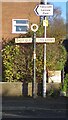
(44, 10)
(45, 40)
(38, 40)
(23, 40)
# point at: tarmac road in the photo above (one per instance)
(25, 107)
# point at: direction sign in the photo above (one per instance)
(23, 40)
(44, 10)
(45, 40)
(38, 40)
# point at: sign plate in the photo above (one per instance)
(45, 22)
(38, 40)
(45, 40)
(23, 40)
(44, 10)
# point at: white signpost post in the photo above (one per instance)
(44, 10)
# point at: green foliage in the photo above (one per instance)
(51, 92)
(40, 32)
(8, 54)
(17, 62)
(39, 62)
(56, 57)
(65, 87)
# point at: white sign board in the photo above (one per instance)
(45, 40)
(23, 40)
(44, 10)
(38, 40)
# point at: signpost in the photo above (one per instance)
(44, 10)
(34, 28)
(40, 10)
(34, 61)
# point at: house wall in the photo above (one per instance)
(16, 10)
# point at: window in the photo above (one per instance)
(20, 26)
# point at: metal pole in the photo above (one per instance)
(34, 60)
(44, 74)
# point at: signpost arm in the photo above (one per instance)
(44, 74)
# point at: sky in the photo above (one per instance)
(62, 5)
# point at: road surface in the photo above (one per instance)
(25, 107)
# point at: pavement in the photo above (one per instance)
(26, 107)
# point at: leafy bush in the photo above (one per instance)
(66, 82)
(65, 85)
(18, 58)
(16, 63)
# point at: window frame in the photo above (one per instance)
(14, 24)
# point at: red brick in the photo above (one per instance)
(16, 10)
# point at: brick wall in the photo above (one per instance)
(16, 10)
